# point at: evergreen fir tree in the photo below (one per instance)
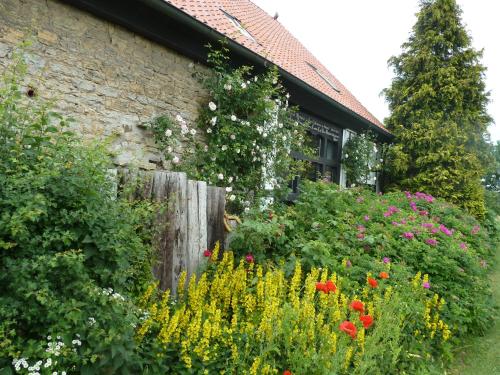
(438, 110)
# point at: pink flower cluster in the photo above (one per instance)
(408, 235)
(431, 241)
(476, 229)
(391, 211)
(445, 230)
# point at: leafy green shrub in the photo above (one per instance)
(354, 232)
(70, 256)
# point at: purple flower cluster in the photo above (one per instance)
(408, 235)
(391, 211)
(431, 241)
(445, 230)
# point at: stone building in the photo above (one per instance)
(114, 64)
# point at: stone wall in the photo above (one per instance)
(107, 78)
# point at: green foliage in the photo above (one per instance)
(438, 110)
(352, 232)
(71, 260)
(248, 130)
(359, 158)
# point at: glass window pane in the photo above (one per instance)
(331, 149)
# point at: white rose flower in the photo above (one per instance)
(232, 197)
(229, 189)
(243, 85)
(212, 106)
(233, 137)
(192, 131)
(168, 132)
(227, 87)
(175, 160)
(213, 120)
(224, 148)
(209, 130)
(233, 118)
(220, 176)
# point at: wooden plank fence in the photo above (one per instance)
(192, 221)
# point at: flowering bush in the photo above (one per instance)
(248, 131)
(240, 318)
(70, 256)
(354, 232)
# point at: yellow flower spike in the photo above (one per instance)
(215, 254)
(333, 342)
(143, 302)
(388, 294)
(295, 285)
(202, 348)
(324, 275)
(416, 280)
(361, 339)
(255, 366)
(365, 292)
(348, 357)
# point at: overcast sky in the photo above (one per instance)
(355, 38)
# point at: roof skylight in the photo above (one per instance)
(324, 77)
(238, 25)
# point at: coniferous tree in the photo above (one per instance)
(438, 110)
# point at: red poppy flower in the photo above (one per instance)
(383, 275)
(373, 283)
(321, 287)
(207, 253)
(287, 372)
(367, 320)
(357, 305)
(330, 286)
(349, 328)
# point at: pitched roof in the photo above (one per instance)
(269, 39)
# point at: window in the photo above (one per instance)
(324, 77)
(238, 25)
(326, 139)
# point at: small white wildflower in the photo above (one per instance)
(91, 321)
(229, 189)
(192, 131)
(220, 176)
(233, 118)
(255, 78)
(230, 179)
(63, 373)
(284, 138)
(209, 130)
(224, 148)
(168, 132)
(170, 149)
(287, 95)
(346, 156)
(275, 81)
(48, 363)
(213, 120)
(232, 136)
(243, 85)
(232, 197)
(238, 150)
(175, 160)
(227, 87)
(212, 106)
(247, 209)
(264, 135)
(280, 125)
(184, 129)
(179, 118)
(213, 158)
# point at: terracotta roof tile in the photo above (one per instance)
(273, 42)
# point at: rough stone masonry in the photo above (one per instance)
(107, 78)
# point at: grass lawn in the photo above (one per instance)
(481, 356)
